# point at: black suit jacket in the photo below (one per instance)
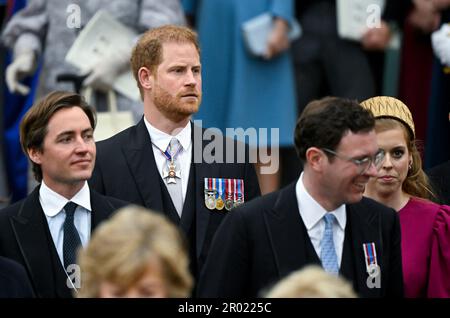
(440, 180)
(266, 240)
(126, 169)
(25, 238)
(14, 281)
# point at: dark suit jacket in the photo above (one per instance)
(126, 169)
(14, 281)
(265, 240)
(25, 238)
(440, 180)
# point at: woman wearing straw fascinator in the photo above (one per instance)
(402, 184)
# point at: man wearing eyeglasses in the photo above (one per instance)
(320, 219)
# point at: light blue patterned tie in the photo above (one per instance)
(328, 252)
(175, 189)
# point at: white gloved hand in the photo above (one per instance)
(24, 64)
(440, 40)
(103, 75)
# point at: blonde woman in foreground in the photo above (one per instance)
(136, 253)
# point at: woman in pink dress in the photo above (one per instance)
(403, 185)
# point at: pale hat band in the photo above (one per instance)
(390, 107)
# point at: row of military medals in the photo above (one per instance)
(217, 198)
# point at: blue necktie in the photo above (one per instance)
(328, 252)
(71, 238)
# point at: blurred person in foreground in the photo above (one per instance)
(137, 253)
(14, 280)
(402, 185)
(311, 282)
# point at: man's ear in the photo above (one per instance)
(145, 78)
(35, 155)
(315, 158)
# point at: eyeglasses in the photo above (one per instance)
(364, 163)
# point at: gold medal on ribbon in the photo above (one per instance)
(219, 203)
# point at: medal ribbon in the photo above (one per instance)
(239, 191)
(370, 254)
(220, 186)
(214, 184)
(167, 154)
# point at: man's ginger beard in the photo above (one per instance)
(172, 106)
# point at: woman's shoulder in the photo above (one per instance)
(422, 205)
(440, 212)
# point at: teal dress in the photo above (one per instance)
(240, 90)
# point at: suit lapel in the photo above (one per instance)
(287, 233)
(29, 229)
(364, 229)
(141, 160)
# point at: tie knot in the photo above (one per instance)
(70, 208)
(173, 146)
(329, 218)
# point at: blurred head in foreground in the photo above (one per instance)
(136, 253)
(311, 282)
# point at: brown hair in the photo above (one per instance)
(323, 122)
(416, 182)
(121, 248)
(148, 50)
(33, 127)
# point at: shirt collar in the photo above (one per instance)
(161, 139)
(311, 211)
(52, 203)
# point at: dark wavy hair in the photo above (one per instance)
(324, 122)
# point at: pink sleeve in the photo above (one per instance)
(439, 280)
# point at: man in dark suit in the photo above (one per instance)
(161, 163)
(44, 230)
(320, 219)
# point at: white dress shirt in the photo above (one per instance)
(53, 203)
(161, 140)
(312, 214)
